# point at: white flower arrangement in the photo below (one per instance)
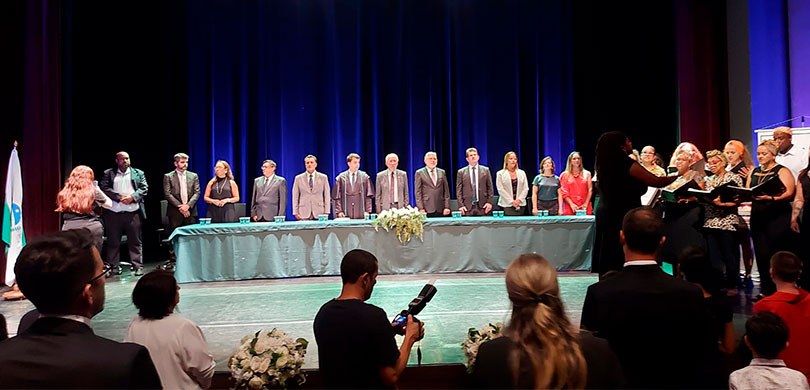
(267, 360)
(407, 221)
(477, 336)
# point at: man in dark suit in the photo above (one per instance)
(63, 276)
(656, 324)
(474, 186)
(269, 194)
(181, 188)
(432, 188)
(127, 187)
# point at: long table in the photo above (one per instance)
(235, 251)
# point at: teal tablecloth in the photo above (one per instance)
(310, 248)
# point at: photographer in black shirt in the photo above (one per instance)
(356, 345)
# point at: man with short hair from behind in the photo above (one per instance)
(356, 345)
(655, 323)
(766, 334)
(792, 304)
(63, 276)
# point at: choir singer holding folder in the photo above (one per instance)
(684, 216)
(770, 214)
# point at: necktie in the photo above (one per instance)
(352, 181)
(391, 188)
(433, 176)
(183, 188)
(311, 184)
(266, 181)
(475, 184)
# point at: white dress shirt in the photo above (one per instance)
(764, 374)
(178, 349)
(794, 159)
(122, 185)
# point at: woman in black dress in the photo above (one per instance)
(740, 164)
(770, 215)
(800, 223)
(221, 193)
(540, 348)
(621, 182)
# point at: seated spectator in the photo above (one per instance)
(792, 304)
(356, 345)
(63, 276)
(3, 328)
(27, 320)
(766, 334)
(656, 324)
(540, 348)
(177, 344)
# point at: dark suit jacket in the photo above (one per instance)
(464, 189)
(655, 323)
(432, 199)
(270, 200)
(171, 190)
(138, 183)
(62, 353)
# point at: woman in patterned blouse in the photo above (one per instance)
(720, 222)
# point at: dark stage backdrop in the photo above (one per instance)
(283, 79)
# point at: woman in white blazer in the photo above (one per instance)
(513, 186)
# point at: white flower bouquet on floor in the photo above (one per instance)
(477, 336)
(407, 222)
(268, 360)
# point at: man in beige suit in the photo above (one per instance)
(310, 193)
(432, 189)
(182, 195)
(392, 186)
(474, 186)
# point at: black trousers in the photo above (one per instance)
(118, 224)
(176, 219)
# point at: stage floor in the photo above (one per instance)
(227, 311)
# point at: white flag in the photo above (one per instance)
(13, 234)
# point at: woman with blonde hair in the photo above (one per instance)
(513, 186)
(546, 189)
(770, 215)
(576, 186)
(540, 348)
(80, 201)
(740, 163)
(221, 193)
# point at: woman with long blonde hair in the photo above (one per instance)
(513, 186)
(576, 186)
(540, 348)
(79, 202)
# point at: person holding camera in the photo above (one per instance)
(356, 345)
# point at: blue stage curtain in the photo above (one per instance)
(286, 78)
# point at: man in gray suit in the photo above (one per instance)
(269, 194)
(181, 188)
(474, 186)
(432, 188)
(311, 194)
(392, 186)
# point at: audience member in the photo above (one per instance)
(127, 187)
(221, 193)
(176, 344)
(356, 345)
(3, 328)
(63, 276)
(656, 324)
(540, 348)
(546, 189)
(792, 304)
(513, 186)
(766, 334)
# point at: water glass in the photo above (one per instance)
(581, 213)
(244, 220)
(367, 216)
(323, 217)
(205, 221)
(373, 216)
(456, 214)
(280, 218)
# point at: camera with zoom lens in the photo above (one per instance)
(414, 308)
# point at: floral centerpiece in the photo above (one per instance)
(408, 222)
(268, 360)
(477, 336)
